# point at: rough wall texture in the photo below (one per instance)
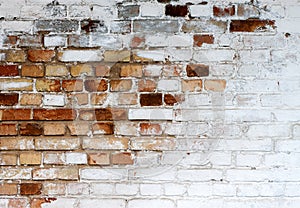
(158, 103)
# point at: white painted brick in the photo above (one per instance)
(292, 189)
(179, 40)
(116, 203)
(127, 128)
(154, 173)
(127, 189)
(32, 12)
(78, 188)
(200, 202)
(76, 158)
(222, 70)
(197, 129)
(200, 189)
(102, 174)
(248, 175)
(151, 189)
(147, 158)
(200, 10)
(106, 42)
(245, 145)
(282, 159)
(219, 189)
(172, 189)
(150, 114)
(293, 11)
(54, 41)
(176, 129)
(178, 54)
(61, 202)
(155, 40)
(287, 145)
(246, 70)
(17, 26)
(248, 159)
(153, 70)
(168, 85)
(80, 55)
(217, 55)
(202, 99)
(199, 175)
(220, 158)
(80, 11)
(248, 189)
(155, 55)
(15, 173)
(54, 100)
(138, 203)
(152, 10)
(268, 130)
(296, 130)
(99, 189)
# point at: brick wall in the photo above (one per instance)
(161, 103)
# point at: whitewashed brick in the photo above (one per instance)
(54, 100)
(155, 55)
(151, 189)
(268, 130)
(117, 203)
(179, 40)
(293, 11)
(248, 159)
(168, 85)
(137, 203)
(127, 128)
(153, 70)
(152, 10)
(15, 173)
(150, 114)
(200, 10)
(220, 158)
(282, 159)
(102, 174)
(76, 158)
(219, 189)
(200, 189)
(199, 100)
(172, 189)
(199, 175)
(55, 41)
(287, 145)
(78, 188)
(245, 145)
(99, 189)
(127, 189)
(213, 55)
(61, 202)
(80, 55)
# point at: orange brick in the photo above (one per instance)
(47, 85)
(8, 189)
(31, 99)
(150, 129)
(32, 71)
(15, 114)
(215, 85)
(99, 158)
(173, 99)
(54, 129)
(81, 69)
(30, 158)
(30, 188)
(72, 85)
(8, 159)
(123, 158)
(120, 85)
(16, 56)
(103, 128)
(197, 70)
(146, 85)
(54, 114)
(98, 99)
(40, 55)
(8, 129)
(191, 85)
(131, 70)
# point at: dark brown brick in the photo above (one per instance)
(153, 99)
(251, 25)
(200, 39)
(54, 114)
(107, 114)
(164, 1)
(9, 99)
(197, 70)
(96, 85)
(224, 12)
(31, 129)
(103, 128)
(176, 10)
(30, 188)
(15, 114)
(9, 70)
(93, 26)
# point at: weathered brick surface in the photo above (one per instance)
(156, 103)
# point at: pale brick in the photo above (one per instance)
(16, 84)
(80, 55)
(54, 129)
(76, 158)
(54, 100)
(135, 203)
(55, 173)
(150, 114)
(30, 158)
(168, 85)
(31, 99)
(56, 70)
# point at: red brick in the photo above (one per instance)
(72, 85)
(8, 189)
(146, 85)
(123, 158)
(153, 99)
(99, 158)
(176, 10)
(103, 128)
(150, 129)
(200, 39)
(224, 12)
(8, 129)
(15, 114)
(30, 188)
(9, 99)
(31, 129)
(137, 42)
(96, 85)
(9, 70)
(197, 70)
(251, 25)
(32, 71)
(172, 99)
(40, 55)
(54, 114)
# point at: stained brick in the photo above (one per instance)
(150, 129)
(9, 99)
(224, 11)
(98, 99)
(127, 99)
(81, 69)
(102, 158)
(176, 10)
(36, 55)
(54, 114)
(56, 70)
(122, 158)
(16, 56)
(32, 71)
(120, 85)
(103, 128)
(57, 25)
(200, 39)
(30, 188)
(215, 85)
(197, 70)
(146, 85)
(9, 70)
(72, 85)
(251, 25)
(15, 114)
(48, 85)
(31, 129)
(93, 26)
(96, 85)
(37, 202)
(191, 85)
(153, 99)
(128, 11)
(172, 99)
(8, 159)
(131, 70)
(102, 70)
(8, 129)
